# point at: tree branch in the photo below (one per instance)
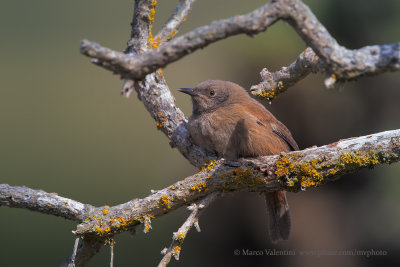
(340, 61)
(170, 28)
(275, 83)
(343, 63)
(83, 252)
(138, 66)
(153, 91)
(294, 171)
(43, 202)
(178, 237)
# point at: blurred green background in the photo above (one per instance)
(65, 129)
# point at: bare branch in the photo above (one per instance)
(170, 28)
(292, 172)
(153, 91)
(178, 237)
(70, 262)
(84, 250)
(138, 66)
(143, 16)
(387, 58)
(43, 202)
(112, 254)
(141, 21)
(275, 83)
(343, 63)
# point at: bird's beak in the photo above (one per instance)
(189, 91)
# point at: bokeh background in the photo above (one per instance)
(65, 129)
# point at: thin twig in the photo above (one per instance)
(73, 256)
(179, 236)
(170, 28)
(112, 253)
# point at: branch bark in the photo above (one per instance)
(171, 27)
(43, 202)
(294, 171)
(344, 63)
(178, 237)
(275, 83)
(138, 66)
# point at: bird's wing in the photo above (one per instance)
(280, 130)
(271, 124)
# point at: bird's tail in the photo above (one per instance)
(278, 216)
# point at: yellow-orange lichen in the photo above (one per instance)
(360, 159)
(199, 187)
(165, 201)
(119, 224)
(180, 237)
(273, 92)
(153, 42)
(269, 95)
(177, 250)
(147, 228)
(209, 167)
(313, 173)
(152, 10)
(161, 119)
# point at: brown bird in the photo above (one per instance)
(227, 121)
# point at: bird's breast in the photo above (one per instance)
(211, 131)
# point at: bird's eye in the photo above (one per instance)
(212, 93)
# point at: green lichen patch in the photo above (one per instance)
(240, 178)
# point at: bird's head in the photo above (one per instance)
(212, 94)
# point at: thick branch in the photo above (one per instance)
(387, 58)
(43, 202)
(138, 66)
(143, 16)
(293, 172)
(153, 91)
(345, 64)
(140, 26)
(157, 98)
